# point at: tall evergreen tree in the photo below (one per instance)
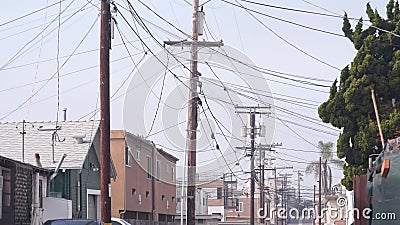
(349, 106)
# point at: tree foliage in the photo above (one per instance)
(326, 154)
(349, 106)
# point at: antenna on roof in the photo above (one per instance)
(23, 132)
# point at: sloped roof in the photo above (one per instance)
(38, 139)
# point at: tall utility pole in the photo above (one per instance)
(252, 171)
(105, 43)
(192, 120)
(197, 30)
(276, 190)
(319, 192)
(299, 179)
(285, 195)
(315, 187)
(252, 110)
(262, 149)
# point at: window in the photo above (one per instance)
(172, 173)
(158, 170)
(239, 207)
(133, 191)
(147, 194)
(219, 193)
(167, 168)
(6, 187)
(137, 155)
(127, 155)
(40, 193)
(162, 197)
(149, 167)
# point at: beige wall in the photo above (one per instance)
(117, 186)
(244, 215)
(135, 177)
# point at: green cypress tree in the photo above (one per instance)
(349, 106)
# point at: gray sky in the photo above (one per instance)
(28, 59)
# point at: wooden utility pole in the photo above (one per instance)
(252, 171)
(262, 204)
(315, 187)
(253, 110)
(319, 192)
(299, 179)
(197, 17)
(275, 199)
(262, 149)
(105, 41)
(192, 121)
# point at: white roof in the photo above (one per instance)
(38, 139)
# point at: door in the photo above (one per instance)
(93, 207)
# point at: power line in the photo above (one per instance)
(48, 80)
(31, 13)
(289, 43)
(15, 56)
(65, 74)
(371, 25)
(283, 20)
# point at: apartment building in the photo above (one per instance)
(145, 188)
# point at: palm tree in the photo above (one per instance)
(326, 154)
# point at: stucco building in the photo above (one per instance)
(145, 188)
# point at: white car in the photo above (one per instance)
(118, 221)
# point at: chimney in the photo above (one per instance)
(37, 159)
(65, 114)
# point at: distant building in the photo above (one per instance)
(145, 188)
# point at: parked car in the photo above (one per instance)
(118, 221)
(72, 222)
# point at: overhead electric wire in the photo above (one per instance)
(37, 64)
(370, 25)
(302, 150)
(162, 18)
(31, 13)
(65, 74)
(283, 20)
(219, 126)
(289, 43)
(36, 36)
(260, 92)
(224, 87)
(271, 71)
(34, 27)
(3, 116)
(136, 64)
(159, 100)
(298, 115)
(295, 10)
(151, 51)
(65, 56)
(281, 82)
(261, 69)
